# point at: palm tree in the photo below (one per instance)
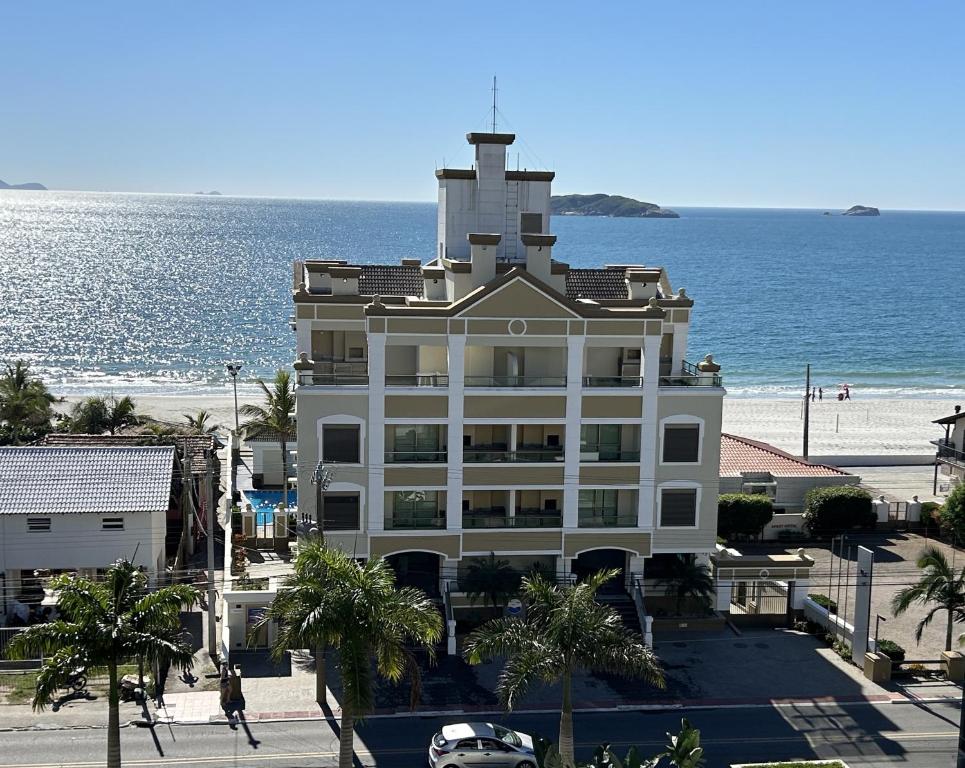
(332, 599)
(939, 587)
(490, 578)
(275, 417)
(688, 580)
(25, 403)
(96, 415)
(198, 423)
(565, 630)
(104, 624)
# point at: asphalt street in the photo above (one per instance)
(918, 735)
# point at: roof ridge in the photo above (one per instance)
(768, 448)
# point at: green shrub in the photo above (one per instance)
(825, 602)
(743, 514)
(892, 650)
(931, 516)
(952, 514)
(832, 510)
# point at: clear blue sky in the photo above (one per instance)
(746, 103)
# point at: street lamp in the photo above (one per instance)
(233, 370)
(878, 619)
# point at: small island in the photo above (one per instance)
(861, 210)
(608, 205)
(214, 192)
(30, 185)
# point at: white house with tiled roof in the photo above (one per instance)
(66, 509)
(750, 466)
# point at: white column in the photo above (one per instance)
(303, 338)
(574, 412)
(457, 364)
(649, 444)
(376, 432)
(680, 331)
(511, 509)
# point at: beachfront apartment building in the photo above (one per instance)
(495, 400)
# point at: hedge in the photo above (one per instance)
(743, 514)
(892, 650)
(832, 510)
(825, 602)
(952, 514)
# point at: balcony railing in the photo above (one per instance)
(416, 380)
(948, 453)
(612, 381)
(592, 453)
(524, 518)
(416, 521)
(690, 376)
(515, 381)
(483, 455)
(416, 457)
(333, 379)
(605, 518)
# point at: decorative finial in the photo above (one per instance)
(653, 302)
(681, 293)
(377, 300)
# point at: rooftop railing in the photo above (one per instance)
(416, 457)
(483, 455)
(416, 380)
(690, 376)
(515, 381)
(948, 452)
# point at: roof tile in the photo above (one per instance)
(740, 454)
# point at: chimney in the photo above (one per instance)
(482, 249)
(642, 283)
(538, 254)
(434, 283)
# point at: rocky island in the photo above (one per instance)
(30, 185)
(861, 210)
(608, 205)
(214, 192)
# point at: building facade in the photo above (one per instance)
(950, 452)
(495, 400)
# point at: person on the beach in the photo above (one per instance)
(847, 392)
(814, 393)
(820, 393)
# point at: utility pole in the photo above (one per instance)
(807, 409)
(209, 519)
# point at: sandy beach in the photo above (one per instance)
(852, 428)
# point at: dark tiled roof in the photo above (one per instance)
(390, 280)
(196, 445)
(596, 284)
(270, 436)
(83, 480)
(950, 419)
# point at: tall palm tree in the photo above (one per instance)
(96, 415)
(491, 579)
(198, 423)
(332, 599)
(104, 624)
(688, 580)
(275, 417)
(25, 402)
(565, 630)
(939, 587)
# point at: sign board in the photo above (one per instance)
(514, 608)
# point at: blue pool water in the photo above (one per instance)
(264, 502)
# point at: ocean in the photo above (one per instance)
(152, 294)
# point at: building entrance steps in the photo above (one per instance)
(623, 604)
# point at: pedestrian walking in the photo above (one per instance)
(847, 392)
(820, 393)
(814, 393)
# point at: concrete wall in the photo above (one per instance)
(266, 461)
(791, 490)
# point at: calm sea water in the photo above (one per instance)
(153, 293)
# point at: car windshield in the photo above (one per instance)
(507, 735)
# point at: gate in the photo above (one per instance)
(761, 603)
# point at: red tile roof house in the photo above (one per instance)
(750, 466)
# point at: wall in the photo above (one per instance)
(266, 461)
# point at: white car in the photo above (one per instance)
(464, 745)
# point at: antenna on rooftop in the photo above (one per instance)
(494, 103)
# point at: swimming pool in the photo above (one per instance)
(264, 503)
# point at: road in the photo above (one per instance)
(922, 736)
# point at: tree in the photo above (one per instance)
(96, 415)
(275, 417)
(332, 599)
(952, 513)
(743, 514)
(939, 589)
(688, 580)
(491, 579)
(835, 509)
(25, 404)
(565, 630)
(198, 423)
(103, 624)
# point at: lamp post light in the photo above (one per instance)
(878, 619)
(233, 370)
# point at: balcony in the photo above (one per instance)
(417, 380)
(690, 376)
(333, 379)
(605, 518)
(612, 381)
(591, 454)
(416, 457)
(416, 521)
(481, 454)
(515, 381)
(496, 517)
(948, 453)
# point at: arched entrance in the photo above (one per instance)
(416, 569)
(595, 560)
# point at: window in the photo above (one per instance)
(603, 439)
(465, 744)
(531, 223)
(681, 443)
(491, 745)
(112, 523)
(341, 444)
(38, 524)
(410, 505)
(340, 511)
(421, 440)
(678, 508)
(598, 500)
